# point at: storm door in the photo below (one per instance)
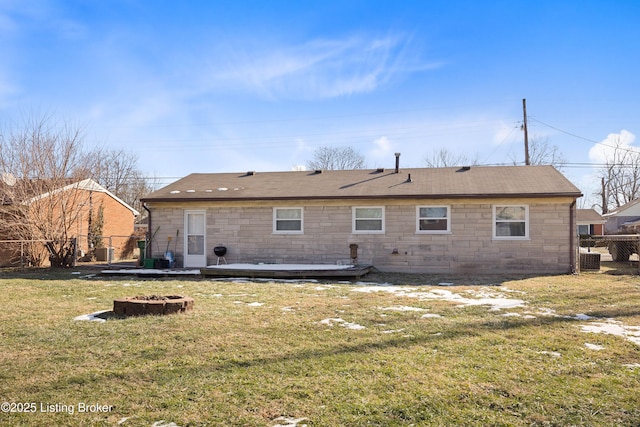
(195, 239)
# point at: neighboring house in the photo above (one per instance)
(624, 219)
(440, 220)
(590, 222)
(118, 217)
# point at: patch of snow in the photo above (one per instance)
(593, 346)
(161, 423)
(222, 189)
(512, 315)
(551, 353)
(93, 317)
(613, 327)
(336, 320)
(430, 316)
(495, 300)
(445, 284)
(76, 272)
(581, 316)
(544, 312)
(393, 331)
(289, 422)
(255, 304)
(403, 308)
(632, 365)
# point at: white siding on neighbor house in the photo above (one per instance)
(469, 247)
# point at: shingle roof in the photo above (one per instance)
(456, 182)
(589, 215)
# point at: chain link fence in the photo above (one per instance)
(34, 253)
(609, 248)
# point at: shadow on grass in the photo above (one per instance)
(460, 331)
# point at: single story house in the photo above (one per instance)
(624, 219)
(470, 220)
(590, 222)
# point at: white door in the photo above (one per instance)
(194, 239)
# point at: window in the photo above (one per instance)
(433, 219)
(584, 229)
(511, 222)
(368, 220)
(287, 220)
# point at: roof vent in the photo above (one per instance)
(464, 169)
(397, 162)
(380, 170)
(318, 171)
(409, 178)
(251, 173)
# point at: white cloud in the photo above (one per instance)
(599, 153)
(321, 68)
(382, 149)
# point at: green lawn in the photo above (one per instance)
(323, 354)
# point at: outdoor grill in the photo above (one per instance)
(220, 252)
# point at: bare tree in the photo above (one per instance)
(543, 153)
(44, 158)
(117, 171)
(620, 176)
(445, 158)
(336, 158)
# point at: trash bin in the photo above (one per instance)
(142, 245)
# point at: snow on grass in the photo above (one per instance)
(430, 316)
(336, 320)
(595, 347)
(551, 353)
(289, 422)
(403, 308)
(495, 300)
(614, 327)
(93, 317)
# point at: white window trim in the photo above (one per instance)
(448, 218)
(526, 223)
(275, 221)
(353, 220)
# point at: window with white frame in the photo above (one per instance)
(511, 222)
(433, 219)
(287, 221)
(368, 219)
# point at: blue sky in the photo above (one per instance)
(225, 86)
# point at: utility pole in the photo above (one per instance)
(604, 198)
(526, 134)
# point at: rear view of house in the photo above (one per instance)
(455, 220)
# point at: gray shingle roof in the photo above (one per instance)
(456, 182)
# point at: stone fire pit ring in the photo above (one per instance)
(152, 304)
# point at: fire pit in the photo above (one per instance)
(152, 304)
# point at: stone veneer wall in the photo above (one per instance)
(247, 232)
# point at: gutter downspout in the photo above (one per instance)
(147, 249)
(572, 240)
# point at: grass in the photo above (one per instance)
(232, 363)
